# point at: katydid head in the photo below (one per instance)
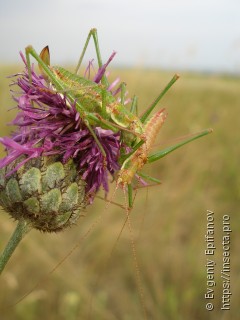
(45, 56)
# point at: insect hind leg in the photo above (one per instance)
(127, 190)
(94, 35)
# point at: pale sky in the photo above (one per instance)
(172, 34)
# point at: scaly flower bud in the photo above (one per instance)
(44, 191)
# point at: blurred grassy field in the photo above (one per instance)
(169, 221)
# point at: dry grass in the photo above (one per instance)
(169, 222)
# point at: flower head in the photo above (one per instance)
(48, 124)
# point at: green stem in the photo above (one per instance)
(22, 228)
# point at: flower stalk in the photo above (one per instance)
(21, 230)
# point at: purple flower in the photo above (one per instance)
(49, 124)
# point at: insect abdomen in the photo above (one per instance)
(139, 158)
(153, 127)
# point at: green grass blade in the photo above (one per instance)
(155, 102)
(130, 195)
(147, 177)
(168, 150)
(133, 108)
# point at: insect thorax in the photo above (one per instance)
(88, 93)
